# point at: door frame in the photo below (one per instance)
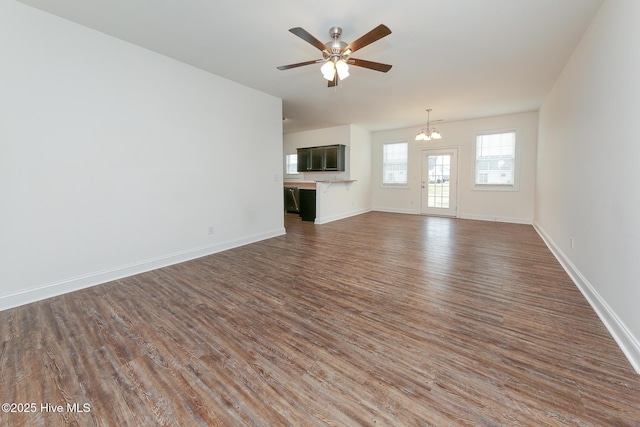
(452, 211)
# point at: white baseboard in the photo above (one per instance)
(341, 216)
(629, 345)
(395, 210)
(496, 219)
(76, 283)
(462, 216)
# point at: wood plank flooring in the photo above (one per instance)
(377, 320)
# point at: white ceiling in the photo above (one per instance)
(462, 58)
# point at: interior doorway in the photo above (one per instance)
(440, 182)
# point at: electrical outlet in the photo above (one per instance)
(573, 242)
(211, 229)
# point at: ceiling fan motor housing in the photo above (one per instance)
(336, 46)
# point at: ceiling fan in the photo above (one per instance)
(336, 54)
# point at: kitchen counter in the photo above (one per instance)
(312, 185)
(305, 185)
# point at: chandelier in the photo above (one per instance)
(428, 133)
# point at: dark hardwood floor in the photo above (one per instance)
(380, 319)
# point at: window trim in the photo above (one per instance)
(516, 162)
(394, 184)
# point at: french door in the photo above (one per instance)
(439, 182)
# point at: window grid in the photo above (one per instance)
(291, 161)
(395, 163)
(495, 159)
(439, 178)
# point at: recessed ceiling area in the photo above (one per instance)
(462, 58)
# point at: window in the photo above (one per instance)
(496, 159)
(394, 163)
(291, 162)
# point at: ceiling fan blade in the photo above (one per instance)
(377, 66)
(376, 34)
(299, 64)
(306, 36)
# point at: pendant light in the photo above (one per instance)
(429, 133)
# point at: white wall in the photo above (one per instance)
(588, 175)
(361, 168)
(509, 206)
(116, 160)
(338, 200)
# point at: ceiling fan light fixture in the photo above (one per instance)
(343, 69)
(328, 70)
(336, 54)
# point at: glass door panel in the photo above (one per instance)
(439, 182)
